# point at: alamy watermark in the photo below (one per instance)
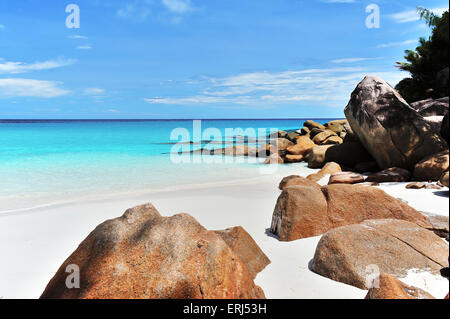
(237, 145)
(73, 19)
(373, 19)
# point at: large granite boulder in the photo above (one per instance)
(309, 210)
(243, 245)
(393, 132)
(351, 254)
(432, 167)
(389, 287)
(142, 255)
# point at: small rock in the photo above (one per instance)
(346, 178)
(311, 124)
(390, 287)
(303, 147)
(416, 185)
(323, 136)
(328, 169)
(389, 175)
(289, 158)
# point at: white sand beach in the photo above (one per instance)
(34, 243)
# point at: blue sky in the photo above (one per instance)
(197, 58)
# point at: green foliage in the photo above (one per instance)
(430, 57)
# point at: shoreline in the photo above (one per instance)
(102, 195)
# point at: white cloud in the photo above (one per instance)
(138, 10)
(394, 44)
(84, 47)
(77, 37)
(30, 88)
(21, 67)
(94, 91)
(412, 15)
(327, 87)
(178, 6)
(353, 60)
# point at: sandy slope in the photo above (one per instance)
(34, 244)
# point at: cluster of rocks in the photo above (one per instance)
(143, 255)
(363, 229)
(381, 134)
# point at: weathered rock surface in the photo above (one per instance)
(390, 175)
(347, 254)
(295, 180)
(431, 107)
(432, 167)
(328, 169)
(439, 224)
(346, 178)
(390, 287)
(311, 125)
(317, 155)
(307, 210)
(416, 185)
(337, 126)
(243, 245)
(303, 147)
(323, 136)
(333, 140)
(393, 132)
(142, 255)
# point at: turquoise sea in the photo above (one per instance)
(43, 161)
